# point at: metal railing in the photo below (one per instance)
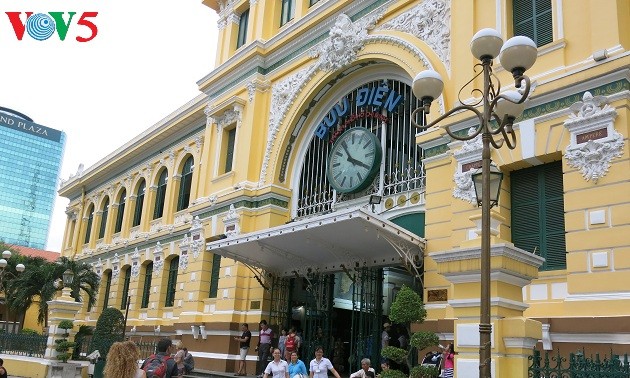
(579, 366)
(23, 344)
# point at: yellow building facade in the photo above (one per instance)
(233, 208)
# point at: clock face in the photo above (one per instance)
(354, 160)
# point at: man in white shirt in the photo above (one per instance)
(366, 371)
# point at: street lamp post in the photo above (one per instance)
(517, 55)
(3, 273)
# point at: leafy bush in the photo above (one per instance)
(28, 331)
(109, 329)
(393, 374)
(63, 345)
(424, 372)
(79, 338)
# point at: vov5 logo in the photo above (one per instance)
(41, 26)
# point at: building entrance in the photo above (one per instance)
(343, 312)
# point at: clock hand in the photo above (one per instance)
(350, 158)
(358, 162)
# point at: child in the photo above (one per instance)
(281, 339)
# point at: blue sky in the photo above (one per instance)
(143, 64)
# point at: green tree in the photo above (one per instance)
(408, 308)
(109, 329)
(38, 281)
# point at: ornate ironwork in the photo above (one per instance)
(23, 344)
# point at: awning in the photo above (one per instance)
(328, 243)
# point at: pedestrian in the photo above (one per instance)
(448, 358)
(277, 368)
(297, 369)
(385, 335)
(179, 360)
(264, 346)
(161, 360)
(290, 344)
(189, 362)
(320, 365)
(3, 370)
(244, 342)
(122, 361)
(281, 339)
(365, 368)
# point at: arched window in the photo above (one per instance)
(158, 211)
(146, 288)
(101, 231)
(172, 282)
(121, 211)
(185, 184)
(108, 286)
(137, 214)
(88, 229)
(125, 290)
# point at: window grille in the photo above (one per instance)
(125, 290)
(88, 228)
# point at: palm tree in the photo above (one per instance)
(38, 281)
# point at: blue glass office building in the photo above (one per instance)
(30, 161)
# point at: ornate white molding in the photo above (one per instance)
(197, 237)
(115, 267)
(594, 140)
(429, 21)
(257, 85)
(229, 117)
(467, 156)
(98, 267)
(232, 223)
(183, 260)
(211, 200)
(158, 259)
(135, 264)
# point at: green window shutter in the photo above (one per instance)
(101, 231)
(242, 29)
(172, 282)
(137, 216)
(229, 157)
(214, 279)
(88, 228)
(160, 196)
(533, 18)
(538, 213)
(125, 290)
(146, 291)
(121, 211)
(184, 185)
(108, 286)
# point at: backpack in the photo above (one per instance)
(289, 343)
(156, 366)
(189, 363)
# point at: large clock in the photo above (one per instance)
(354, 160)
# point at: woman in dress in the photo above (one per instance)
(122, 361)
(278, 368)
(320, 365)
(296, 367)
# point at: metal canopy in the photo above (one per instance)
(332, 242)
